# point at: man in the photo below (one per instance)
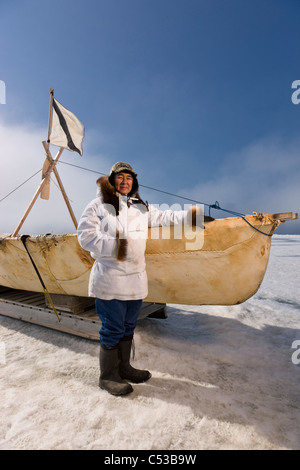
(114, 228)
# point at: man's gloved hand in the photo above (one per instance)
(197, 216)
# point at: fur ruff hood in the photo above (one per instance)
(110, 196)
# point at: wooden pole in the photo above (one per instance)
(49, 156)
(65, 197)
(49, 165)
(43, 182)
(50, 113)
(45, 193)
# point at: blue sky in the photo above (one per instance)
(195, 94)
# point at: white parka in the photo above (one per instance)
(97, 233)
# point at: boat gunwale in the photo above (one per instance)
(273, 219)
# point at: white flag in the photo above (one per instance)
(66, 130)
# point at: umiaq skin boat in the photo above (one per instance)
(226, 268)
(224, 264)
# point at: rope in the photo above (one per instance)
(210, 206)
(20, 185)
(46, 292)
(216, 205)
(142, 185)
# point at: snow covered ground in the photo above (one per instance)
(223, 377)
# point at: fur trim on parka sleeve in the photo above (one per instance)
(122, 248)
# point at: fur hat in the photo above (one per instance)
(126, 168)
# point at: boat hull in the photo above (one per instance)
(226, 269)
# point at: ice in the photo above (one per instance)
(222, 377)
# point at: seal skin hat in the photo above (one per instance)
(122, 166)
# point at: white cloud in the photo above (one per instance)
(262, 177)
(21, 155)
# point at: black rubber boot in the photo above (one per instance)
(126, 370)
(110, 379)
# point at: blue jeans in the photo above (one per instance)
(118, 319)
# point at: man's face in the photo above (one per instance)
(123, 182)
